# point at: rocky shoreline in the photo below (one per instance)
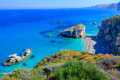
(110, 31)
(108, 64)
(79, 32)
(105, 63)
(108, 37)
(13, 59)
(89, 45)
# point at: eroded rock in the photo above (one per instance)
(13, 59)
(110, 31)
(74, 32)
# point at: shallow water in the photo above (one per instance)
(21, 29)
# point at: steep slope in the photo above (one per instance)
(81, 65)
(118, 7)
(110, 31)
(106, 6)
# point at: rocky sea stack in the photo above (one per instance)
(110, 31)
(74, 32)
(13, 59)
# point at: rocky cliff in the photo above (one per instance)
(106, 6)
(74, 32)
(47, 68)
(115, 6)
(110, 31)
(118, 6)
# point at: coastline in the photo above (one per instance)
(89, 45)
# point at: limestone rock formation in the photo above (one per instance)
(110, 31)
(12, 59)
(74, 32)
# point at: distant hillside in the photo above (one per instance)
(115, 6)
(118, 6)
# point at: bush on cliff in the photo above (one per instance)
(74, 70)
(71, 70)
(118, 66)
(114, 19)
(23, 74)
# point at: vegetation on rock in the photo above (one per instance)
(77, 31)
(80, 70)
(82, 65)
(110, 31)
(114, 19)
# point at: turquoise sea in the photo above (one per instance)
(21, 29)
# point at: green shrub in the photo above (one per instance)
(61, 53)
(84, 52)
(78, 71)
(118, 66)
(25, 74)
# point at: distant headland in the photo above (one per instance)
(115, 6)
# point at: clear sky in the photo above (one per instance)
(38, 4)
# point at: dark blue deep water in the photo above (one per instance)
(21, 29)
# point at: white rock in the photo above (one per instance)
(12, 56)
(74, 32)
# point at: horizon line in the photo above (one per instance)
(40, 8)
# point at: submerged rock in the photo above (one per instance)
(51, 35)
(53, 41)
(13, 59)
(33, 56)
(24, 64)
(95, 23)
(59, 22)
(74, 32)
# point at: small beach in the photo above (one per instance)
(90, 45)
(22, 29)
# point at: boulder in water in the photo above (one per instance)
(74, 32)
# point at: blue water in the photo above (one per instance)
(21, 29)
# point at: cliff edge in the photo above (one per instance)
(110, 31)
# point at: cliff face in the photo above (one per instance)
(100, 6)
(113, 6)
(110, 31)
(107, 6)
(74, 32)
(118, 7)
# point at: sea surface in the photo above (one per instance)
(21, 29)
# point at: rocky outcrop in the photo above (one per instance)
(110, 31)
(74, 32)
(95, 23)
(59, 22)
(13, 59)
